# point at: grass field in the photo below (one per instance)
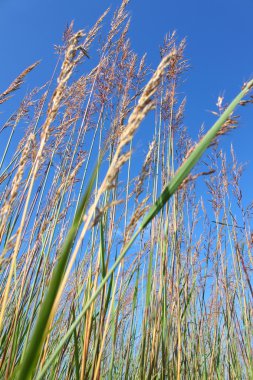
(114, 264)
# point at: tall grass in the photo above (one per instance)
(113, 265)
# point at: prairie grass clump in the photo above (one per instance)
(112, 264)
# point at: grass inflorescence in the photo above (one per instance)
(112, 264)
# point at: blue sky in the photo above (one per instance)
(219, 48)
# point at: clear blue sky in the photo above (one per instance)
(219, 47)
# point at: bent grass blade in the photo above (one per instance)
(166, 194)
